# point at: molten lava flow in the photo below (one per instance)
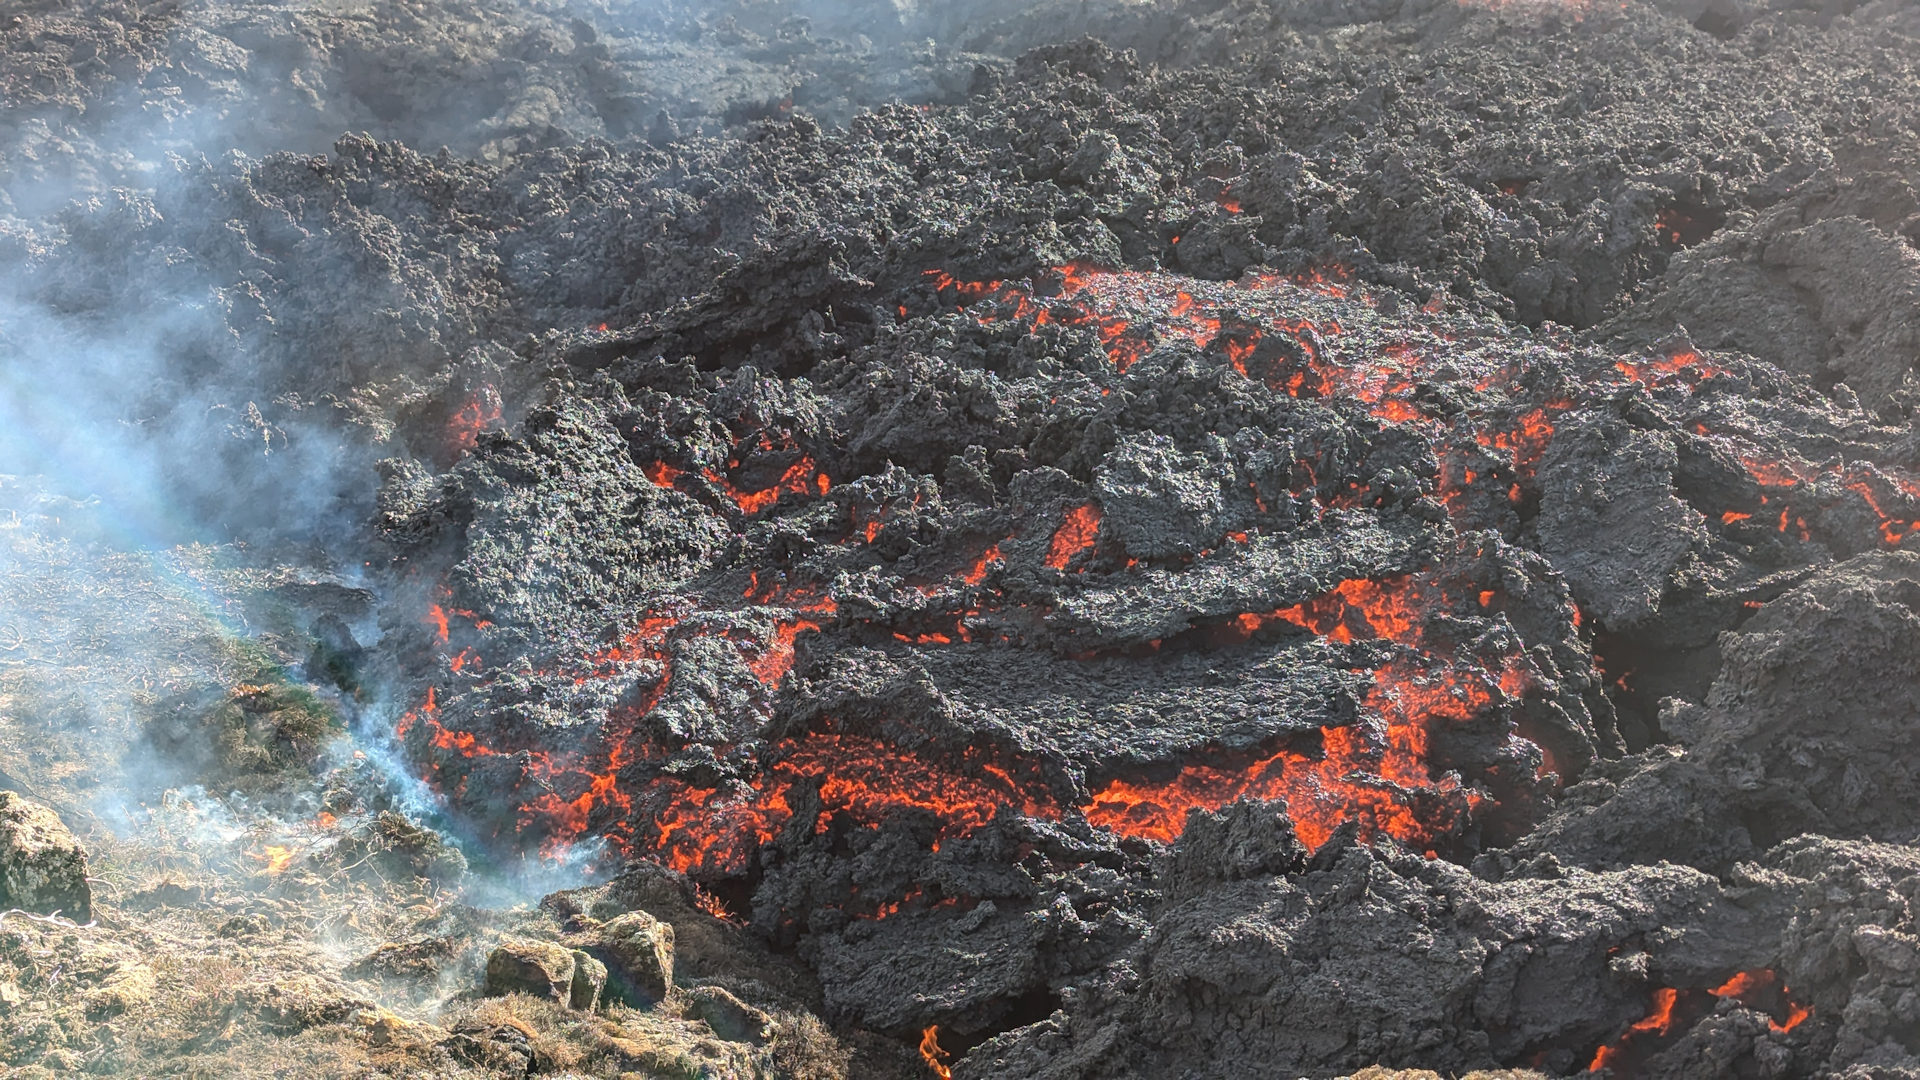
(644, 642)
(931, 1053)
(968, 290)
(566, 818)
(1890, 496)
(978, 571)
(771, 666)
(1745, 984)
(1375, 772)
(1656, 1023)
(437, 618)
(1129, 310)
(1687, 366)
(440, 737)
(1763, 990)
(711, 830)
(1760, 990)
(1660, 1020)
(1278, 330)
(1389, 608)
(662, 474)
(583, 788)
(801, 477)
(1384, 383)
(1075, 535)
(1527, 442)
(604, 798)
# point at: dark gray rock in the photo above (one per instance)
(638, 951)
(43, 868)
(589, 981)
(539, 968)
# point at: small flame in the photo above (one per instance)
(711, 904)
(275, 859)
(931, 1053)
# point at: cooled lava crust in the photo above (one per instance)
(1333, 537)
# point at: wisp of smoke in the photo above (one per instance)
(145, 417)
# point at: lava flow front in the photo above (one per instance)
(643, 789)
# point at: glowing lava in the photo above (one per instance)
(481, 411)
(1129, 311)
(1277, 331)
(1686, 366)
(803, 476)
(1761, 990)
(978, 571)
(1375, 772)
(1656, 1023)
(1074, 536)
(586, 788)
(714, 830)
(1132, 311)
